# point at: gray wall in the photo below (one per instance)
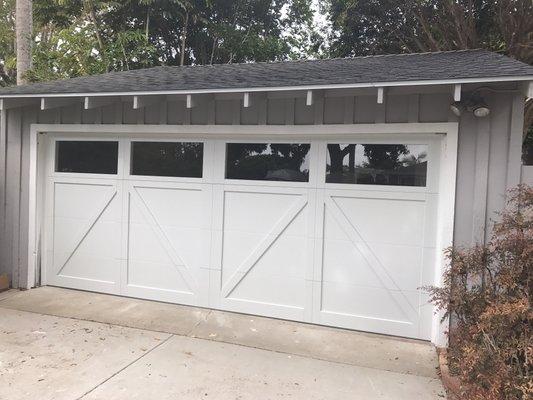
(488, 162)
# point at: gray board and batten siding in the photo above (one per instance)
(488, 163)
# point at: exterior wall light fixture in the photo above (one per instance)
(473, 103)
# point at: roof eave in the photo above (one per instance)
(521, 78)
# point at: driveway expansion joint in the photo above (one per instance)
(162, 342)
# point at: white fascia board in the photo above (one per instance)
(283, 88)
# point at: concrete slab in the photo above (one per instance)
(323, 343)
(48, 357)
(117, 310)
(8, 293)
(185, 368)
(45, 357)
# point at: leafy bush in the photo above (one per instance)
(487, 294)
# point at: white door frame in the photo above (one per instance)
(447, 178)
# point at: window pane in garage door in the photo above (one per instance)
(377, 164)
(88, 157)
(268, 161)
(177, 159)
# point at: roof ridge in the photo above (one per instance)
(310, 60)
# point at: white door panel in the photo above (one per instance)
(356, 307)
(86, 232)
(373, 261)
(168, 241)
(379, 220)
(266, 249)
(344, 263)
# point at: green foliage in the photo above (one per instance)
(7, 42)
(73, 52)
(217, 31)
(487, 292)
(67, 53)
(116, 35)
(83, 37)
(398, 26)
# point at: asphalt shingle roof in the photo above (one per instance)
(465, 64)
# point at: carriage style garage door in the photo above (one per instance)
(334, 232)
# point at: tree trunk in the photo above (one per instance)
(147, 28)
(184, 38)
(24, 26)
(215, 40)
(351, 159)
(336, 157)
(94, 20)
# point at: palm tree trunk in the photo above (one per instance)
(147, 28)
(24, 27)
(184, 38)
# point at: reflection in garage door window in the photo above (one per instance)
(268, 161)
(86, 157)
(175, 159)
(377, 164)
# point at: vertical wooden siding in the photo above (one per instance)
(488, 158)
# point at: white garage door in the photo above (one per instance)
(335, 232)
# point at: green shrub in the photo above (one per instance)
(487, 294)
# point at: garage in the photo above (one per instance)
(334, 232)
(319, 191)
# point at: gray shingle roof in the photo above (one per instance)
(453, 65)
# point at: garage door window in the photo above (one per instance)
(268, 161)
(377, 164)
(171, 159)
(86, 157)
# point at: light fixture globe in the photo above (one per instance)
(481, 110)
(479, 106)
(457, 108)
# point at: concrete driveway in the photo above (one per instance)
(66, 344)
